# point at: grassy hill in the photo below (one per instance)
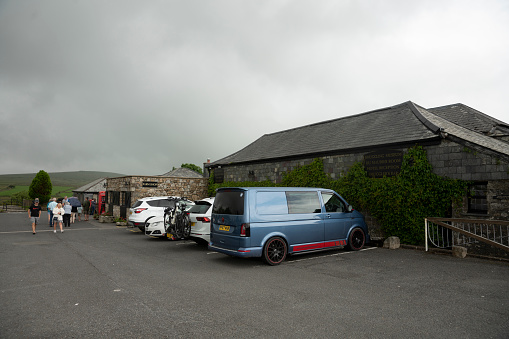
(63, 182)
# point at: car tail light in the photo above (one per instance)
(202, 219)
(139, 210)
(245, 231)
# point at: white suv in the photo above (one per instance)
(148, 207)
(200, 215)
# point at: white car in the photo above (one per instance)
(146, 208)
(200, 215)
(154, 225)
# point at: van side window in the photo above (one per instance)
(303, 202)
(271, 203)
(333, 203)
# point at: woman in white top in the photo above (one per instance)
(58, 216)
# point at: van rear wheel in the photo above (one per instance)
(356, 239)
(274, 251)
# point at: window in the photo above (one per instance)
(229, 202)
(201, 207)
(271, 203)
(333, 203)
(477, 198)
(303, 202)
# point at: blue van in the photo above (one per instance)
(272, 222)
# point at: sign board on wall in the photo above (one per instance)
(382, 163)
(149, 184)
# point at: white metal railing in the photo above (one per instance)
(448, 232)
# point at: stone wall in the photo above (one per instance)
(467, 162)
(149, 186)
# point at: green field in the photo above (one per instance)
(63, 182)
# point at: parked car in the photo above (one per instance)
(272, 222)
(148, 207)
(154, 225)
(200, 215)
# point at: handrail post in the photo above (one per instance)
(426, 233)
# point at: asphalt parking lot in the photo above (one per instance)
(101, 281)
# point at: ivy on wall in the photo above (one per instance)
(399, 203)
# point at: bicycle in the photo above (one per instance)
(176, 220)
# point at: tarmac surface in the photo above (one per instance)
(102, 281)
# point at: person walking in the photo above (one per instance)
(86, 208)
(34, 213)
(51, 206)
(80, 210)
(92, 207)
(49, 213)
(58, 216)
(67, 214)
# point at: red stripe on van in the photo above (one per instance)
(319, 245)
(307, 247)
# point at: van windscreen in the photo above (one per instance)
(229, 202)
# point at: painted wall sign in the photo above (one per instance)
(149, 184)
(383, 163)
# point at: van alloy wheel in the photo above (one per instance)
(356, 239)
(274, 251)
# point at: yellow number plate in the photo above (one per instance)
(224, 228)
(168, 235)
(192, 224)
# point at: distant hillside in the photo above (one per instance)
(70, 179)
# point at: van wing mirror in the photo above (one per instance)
(350, 208)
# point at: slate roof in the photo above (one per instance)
(92, 187)
(405, 123)
(183, 172)
(471, 119)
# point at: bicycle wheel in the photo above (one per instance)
(169, 225)
(179, 234)
(186, 225)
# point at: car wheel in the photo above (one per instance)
(356, 239)
(274, 251)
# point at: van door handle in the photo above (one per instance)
(328, 216)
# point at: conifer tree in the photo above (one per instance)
(41, 187)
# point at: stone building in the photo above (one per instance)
(122, 192)
(461, 143)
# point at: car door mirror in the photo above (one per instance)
(350, 208)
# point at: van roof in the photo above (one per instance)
(301, 189)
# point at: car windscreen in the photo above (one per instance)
(201, 207)
(229, 202)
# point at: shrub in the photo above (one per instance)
(41, 187)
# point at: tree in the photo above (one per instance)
(192, 167)
(41, 187)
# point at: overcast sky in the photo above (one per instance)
(140, 87)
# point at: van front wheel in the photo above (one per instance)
(274, 251)
(356, 239)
